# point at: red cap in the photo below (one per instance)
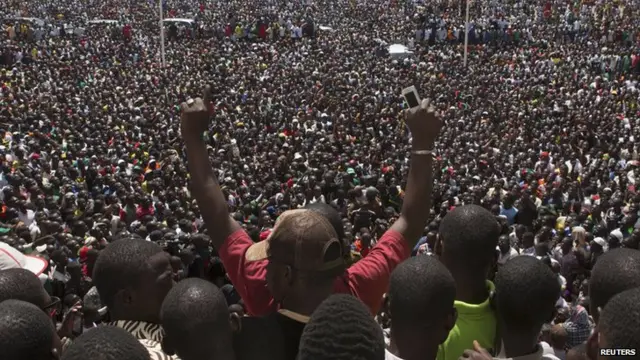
(83, 253)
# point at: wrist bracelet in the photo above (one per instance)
(422, 152)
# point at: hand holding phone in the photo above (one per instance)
(71, 325)
(412, 98)
(422, 120)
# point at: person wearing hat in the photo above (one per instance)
(11, 258)
(305, 257)
(368, 279)
(598, 247)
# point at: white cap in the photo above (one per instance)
(10, 258)
(600, 241)
(617, 234)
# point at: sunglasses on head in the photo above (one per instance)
(54, 307)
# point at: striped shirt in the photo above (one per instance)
(148, 334)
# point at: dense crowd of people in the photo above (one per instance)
(256, 187)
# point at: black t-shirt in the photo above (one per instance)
(273, 337)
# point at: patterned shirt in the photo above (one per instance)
(148, 334)
(578, 327)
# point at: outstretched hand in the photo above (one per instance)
(424, 125)
(194, 119)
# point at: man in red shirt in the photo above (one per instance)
(368, 279)
(145, 208)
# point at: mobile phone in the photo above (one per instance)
(78, 325)
(412, 98)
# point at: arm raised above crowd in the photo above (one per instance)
(425, 127)
(368, 279)
(194, 122)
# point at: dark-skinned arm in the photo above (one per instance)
(416, 204)
(368, 279)
(206, 190)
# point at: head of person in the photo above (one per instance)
(196, 321)
(542, 249)
(619, 325)
(528, 240)
(341, 328)
(614, 272)
(22, 284)
(558, 336)
(26, 332)
(421, 296)
(468, 237)
(305, 256)
(132, 277)
(504, 244)
(106, 343)
(525, 297)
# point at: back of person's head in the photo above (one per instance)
(342, 328)
(421, 296)
(26, 332)
(22, 284)
(195, 318)
(305, 256)
(106, 343)
(127, 275)
(526, 294)
(614, 272)
(619, 326)
(577, 353)
(469, 236)
(558, 336)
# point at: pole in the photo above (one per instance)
(466, 34)
(161, 33)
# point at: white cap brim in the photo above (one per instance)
(35, 264)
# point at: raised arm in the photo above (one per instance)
(425, 127)
(194, 122)
(368, 279)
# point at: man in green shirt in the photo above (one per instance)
(468, 237)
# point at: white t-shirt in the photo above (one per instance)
(389, 356)
(27, 218)
(387, 340)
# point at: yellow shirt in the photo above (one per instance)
(475, 322)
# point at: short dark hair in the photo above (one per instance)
(21, 284)
(194, 311)
(341, 328)
(526, 293)
(615, 271)
(421, 291)
(106, 343)
(620, 321)
(26, 332)
(470, 234)
(120, 266)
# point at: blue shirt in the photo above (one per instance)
(422, 241)
(510, 214)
